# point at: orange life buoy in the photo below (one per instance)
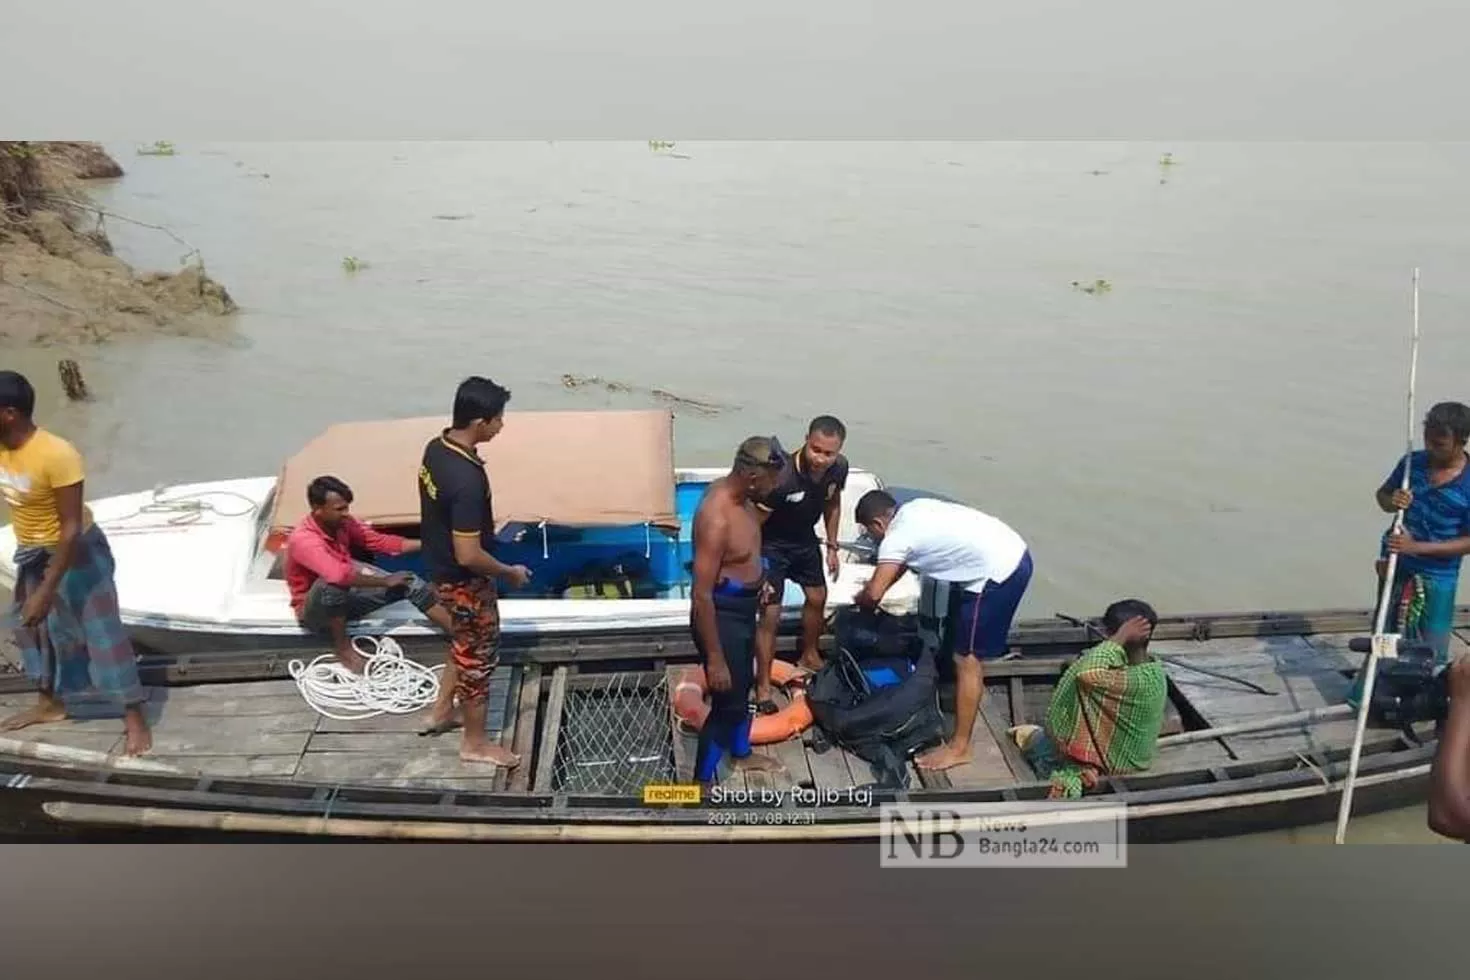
(691, 708)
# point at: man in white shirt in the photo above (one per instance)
(984, 566)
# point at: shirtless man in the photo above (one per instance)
(729, 585)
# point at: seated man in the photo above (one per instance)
(329, 586)
(981, 564)
(1107, 710)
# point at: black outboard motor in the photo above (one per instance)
(1408, 690)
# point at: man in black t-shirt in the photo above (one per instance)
(810, 488)
(457, 528)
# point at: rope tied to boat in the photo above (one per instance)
(182, 510)
(390, 683)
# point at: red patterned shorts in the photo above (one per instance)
(474, 646)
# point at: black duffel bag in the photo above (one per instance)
(877, 696)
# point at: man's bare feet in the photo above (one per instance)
(943, 757)
(813, 663)
(757, 762)
(139, 738)
(44, 711)
(484, 750)
(351, 659)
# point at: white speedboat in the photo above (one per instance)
(199, 566)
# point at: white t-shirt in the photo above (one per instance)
(952, 543)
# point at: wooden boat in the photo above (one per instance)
(246, 757)
(199, 566)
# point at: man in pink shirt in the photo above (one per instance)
(329, 586)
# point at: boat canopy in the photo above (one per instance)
(577, 469)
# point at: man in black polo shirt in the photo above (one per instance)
(810, 487)
(457, 527)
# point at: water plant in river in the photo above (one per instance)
(352, 264)
(161, 148)
(1096, 288)
(1165, 162)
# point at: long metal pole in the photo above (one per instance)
(1344, 809)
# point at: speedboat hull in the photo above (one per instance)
(195, 573)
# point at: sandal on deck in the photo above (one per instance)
(441, 728)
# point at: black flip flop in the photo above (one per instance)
(442, 728)
(767, 707)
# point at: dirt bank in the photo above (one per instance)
(60, 284)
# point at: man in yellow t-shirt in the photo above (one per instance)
(65, 612)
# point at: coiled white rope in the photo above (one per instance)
(181, 510)
(390, 684)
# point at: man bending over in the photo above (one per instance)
(728, 587)
(1107, 710)
(810, 487)
(329, 586)
(981, 563)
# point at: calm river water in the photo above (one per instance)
(1206, 431)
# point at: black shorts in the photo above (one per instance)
(801, 563)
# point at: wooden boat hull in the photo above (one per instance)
(1219, 786)
(42, 803)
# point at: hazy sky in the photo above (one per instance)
(1246, 69)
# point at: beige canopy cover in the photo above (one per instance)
(572, 468)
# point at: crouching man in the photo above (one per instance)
(1107, 710)
(982, 567)
(329, 586)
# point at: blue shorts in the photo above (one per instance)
(979, 623)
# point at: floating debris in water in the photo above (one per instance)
(452, 217)
(617, 387)
(162, 148)
(1095, 288)
(72, 381)
(353, 264)
(1165, 162)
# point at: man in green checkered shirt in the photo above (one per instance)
(1107, 709)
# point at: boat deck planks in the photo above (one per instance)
(1306, 672)
(263, 729)
(987, 766)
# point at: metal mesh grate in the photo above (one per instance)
(615, 737)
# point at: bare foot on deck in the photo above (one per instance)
(812, 664)
(43, 712)
(758, 763)
(352, 660)
(487, 751)
(139, 738)
(944, 757)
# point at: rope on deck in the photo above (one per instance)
(390, 684)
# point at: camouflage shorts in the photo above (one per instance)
(474, 646)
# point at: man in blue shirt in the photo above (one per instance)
(1436, 533)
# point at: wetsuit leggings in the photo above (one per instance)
(727, 729)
